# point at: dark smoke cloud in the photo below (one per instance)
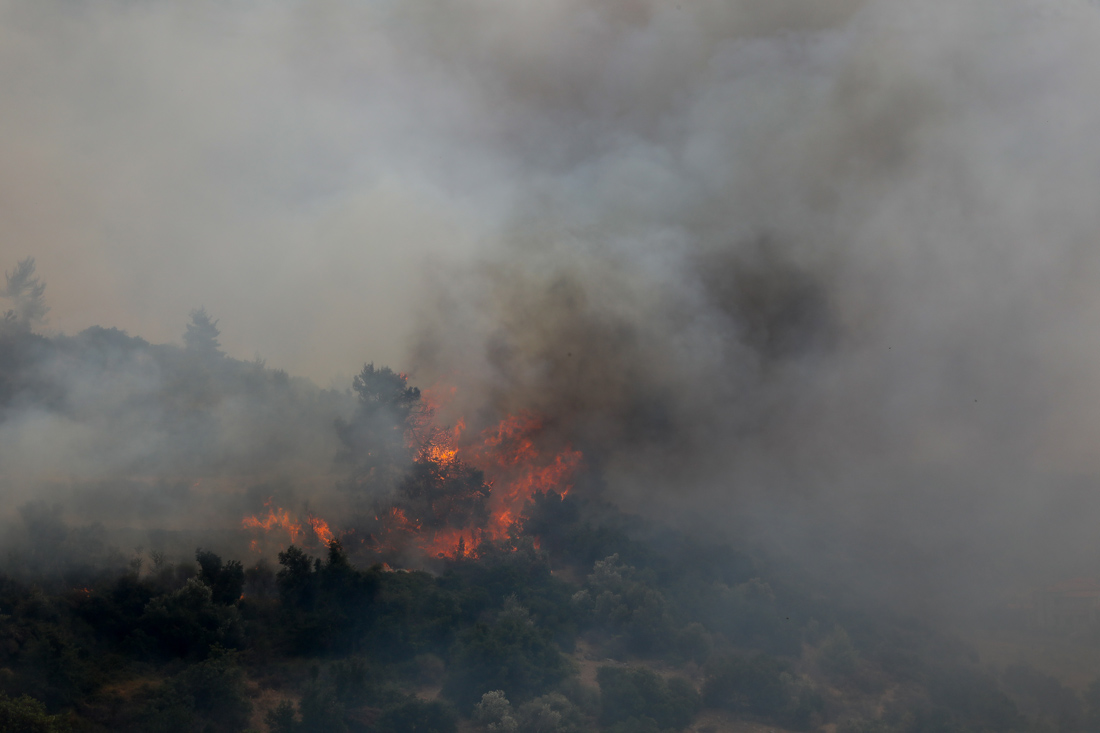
(822, 271)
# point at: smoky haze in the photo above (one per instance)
(819, 272)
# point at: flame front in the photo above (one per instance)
(320, 528)
(515, 469)
(278, 518)
(462, 489)
(508, 454)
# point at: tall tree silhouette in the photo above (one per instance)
(202, 334)
(374, 439)
(27, 293)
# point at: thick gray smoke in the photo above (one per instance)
(823, 276)
(821, 271)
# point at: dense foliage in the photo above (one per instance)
(503, 640)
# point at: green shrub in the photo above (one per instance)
(551, 713)
(27, 715)
(760, 685)
(617, 600)
(495, 714)
(209, 696)
(186, 623)
(217, 693)
(225, 580)
(510, 654)
(641, 693)
(418, 716)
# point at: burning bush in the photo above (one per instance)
(428, 490)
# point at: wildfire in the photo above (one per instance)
(320, 528)
(279, 518)
(508, 453)
(514, 467)
(462, 490)
(276, 518)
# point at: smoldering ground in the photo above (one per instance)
(818, 272)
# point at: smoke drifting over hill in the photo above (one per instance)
(819, 271)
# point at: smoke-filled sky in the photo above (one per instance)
(832, 261)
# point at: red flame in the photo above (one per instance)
(464, 489)
(276, 518)
(279, 518)
(508, 454)
(320, 528)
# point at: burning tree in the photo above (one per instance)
(465, 489)
(431, 489)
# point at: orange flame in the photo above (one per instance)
(276, 518)
(514, 465)
(320, 528)
(509, 455)
(279, 518)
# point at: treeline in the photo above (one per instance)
(609, 626)
(114, 404)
